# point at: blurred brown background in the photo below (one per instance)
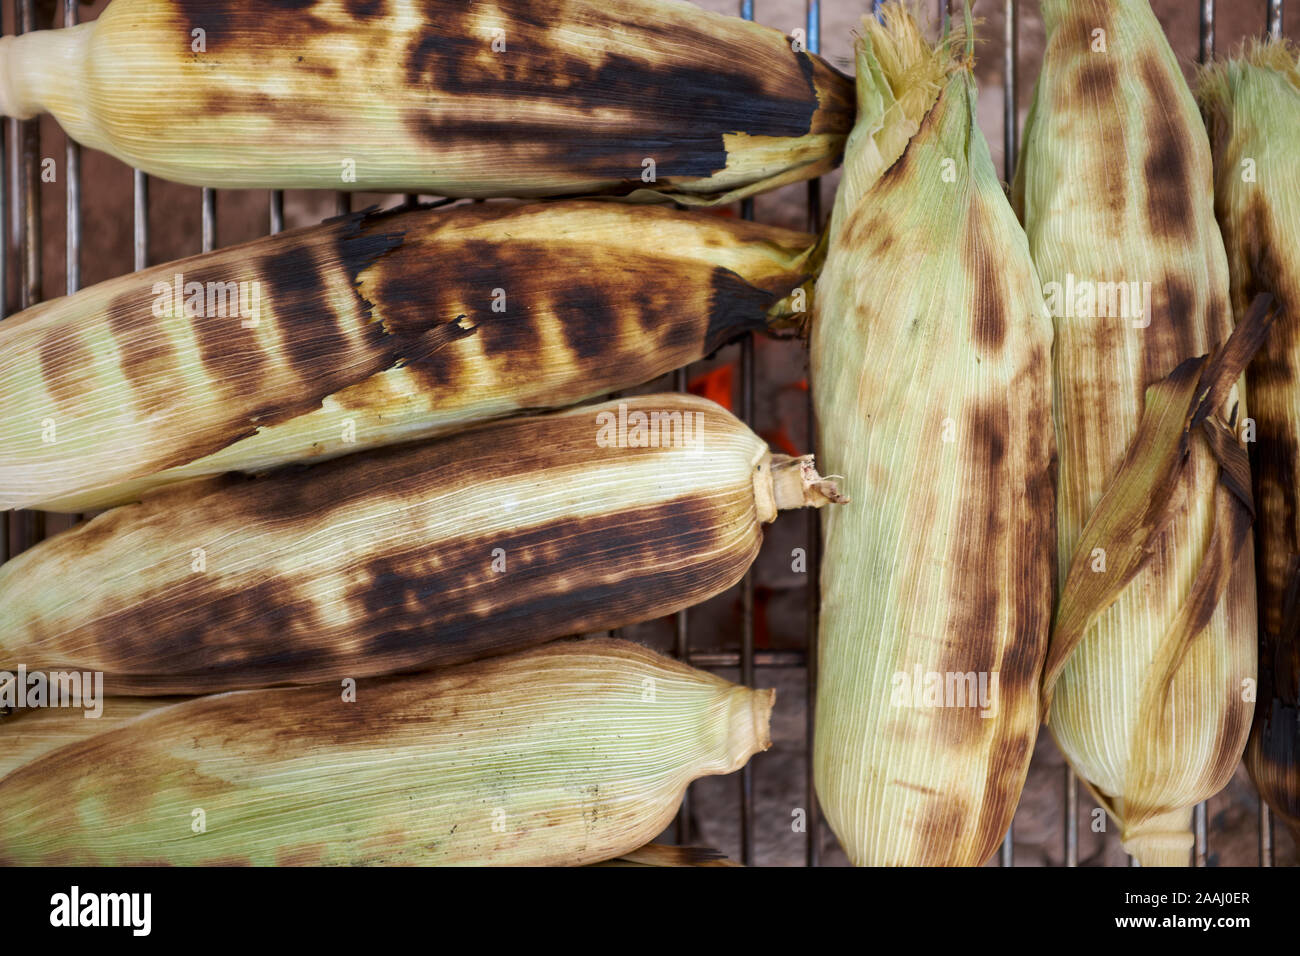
(781, 595)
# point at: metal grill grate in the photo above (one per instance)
(20, 167)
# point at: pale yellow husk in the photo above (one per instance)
(538, 98)
(930, 353)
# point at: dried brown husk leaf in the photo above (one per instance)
(658, 854)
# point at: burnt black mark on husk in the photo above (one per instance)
(736, 308)
(1171, 192)
(981, 254)
(64, 359)
(148, 358)
(1172, 335)
(277, 21)
(293, 297)
(366, 9)
(1097, 89)
(940, 828)
(1004, 779)
(586, 292)
(683, 107)
(531, 597)
(418, 609)
(978, 552)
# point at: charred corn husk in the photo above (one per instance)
(657, 854)
(1153, 647)
(930, 363)
(431, 553)
(27, 734)
(369, 330)
(567, 754)
(1252, 110)
(502, 98)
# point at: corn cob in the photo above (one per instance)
(567, 754)
(368, 330)
(508, 98)
(1145, 685)
(430, 553)
(1252, 110)
(930, 362)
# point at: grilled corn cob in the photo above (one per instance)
(1145, 686)
(368, 330)
(503, 98)
(1252, 110)
(430, 553)
(930, 363)
(569, 754)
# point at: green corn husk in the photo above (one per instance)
(453, 97)
(1252, 110)
(1153, 646)
(569, 754)
(930, 362)
(368, 330)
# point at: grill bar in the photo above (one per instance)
(277, 211)
(1010, 141)
(682, 648)
(812, 818)
(1207, 31)
(7, 138)
(72, 273)
(140, 235)
(20, 211)
(747, 583)
(28, 527)
(1071, 822)
(1266, 846)
(208, 228)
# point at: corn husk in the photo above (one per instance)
(568, 754)
(658, 854)
(507, 98)
(930, 363)
(1252, 110)
(369, 330)
(1153, 647)
(31, 733)
(425, 554)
